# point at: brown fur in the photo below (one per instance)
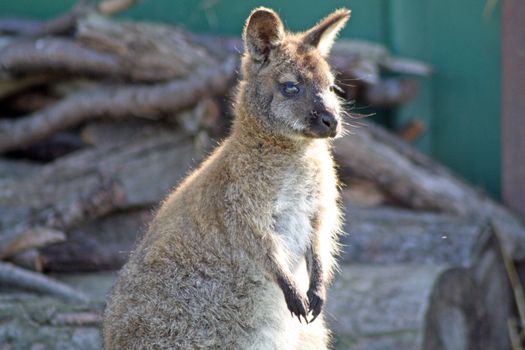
(251, 235)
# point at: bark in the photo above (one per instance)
(58, 55)
(380, 307)
(413, 307)
(90, 184)
(102, 244)
(421, 183)
(386, 235)
(151, 52)
(116, 101)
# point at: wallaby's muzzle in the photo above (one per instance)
(322, 125)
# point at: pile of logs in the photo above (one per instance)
(100, 118)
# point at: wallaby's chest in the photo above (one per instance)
(296, 203)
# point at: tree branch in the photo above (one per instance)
(17, 277)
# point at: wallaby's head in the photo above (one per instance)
(287, 82)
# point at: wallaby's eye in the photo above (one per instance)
(290, 89)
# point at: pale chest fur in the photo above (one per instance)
(296, 204)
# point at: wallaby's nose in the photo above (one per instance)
(328, 120)
(323, 124)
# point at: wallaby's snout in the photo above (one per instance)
(322, 124)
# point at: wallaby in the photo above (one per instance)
(247, 241)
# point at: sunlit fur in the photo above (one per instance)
(204, 275)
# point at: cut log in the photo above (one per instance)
(415, 307)
(90, 184)
(428, 294)
(380, 307)
(469, 308)
(419, 182)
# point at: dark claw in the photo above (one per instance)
(315, 302)
(313, 318)
(296, 304)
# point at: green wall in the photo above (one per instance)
(460, 103)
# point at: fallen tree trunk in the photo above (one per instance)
(417, 181)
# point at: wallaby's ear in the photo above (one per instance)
(324, 33)
(263, 31)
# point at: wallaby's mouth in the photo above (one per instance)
(322, 125)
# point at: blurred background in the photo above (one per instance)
(106, 105)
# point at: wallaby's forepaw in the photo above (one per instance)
(316, 298)
(296, 303)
